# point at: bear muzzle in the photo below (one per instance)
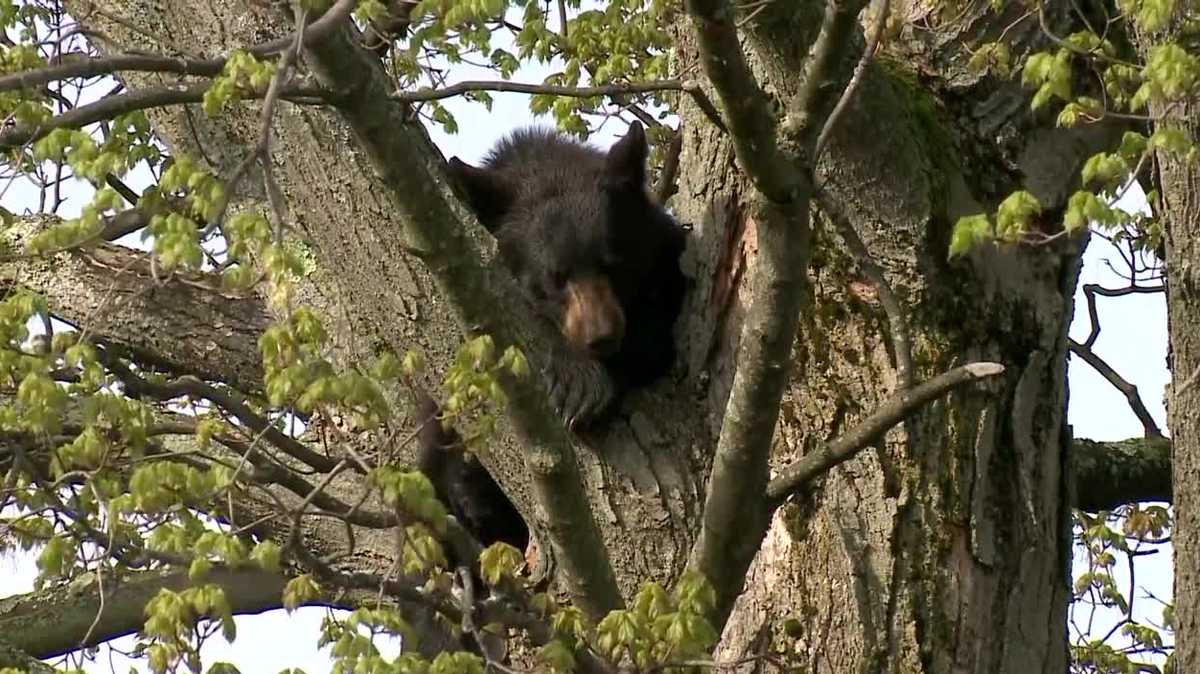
(593, 321)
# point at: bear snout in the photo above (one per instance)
(593, 321)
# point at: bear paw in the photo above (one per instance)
(581, 391)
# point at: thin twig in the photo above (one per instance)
(141, 99)
(848, 93)
(892, 307)
(689, 87)
(1131, 393)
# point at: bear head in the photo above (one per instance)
(576, 227)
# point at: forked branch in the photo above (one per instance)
(748, 108)
(485, 300)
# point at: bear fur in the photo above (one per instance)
(594, 254)
(464, 485)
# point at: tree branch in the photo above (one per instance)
(796, 476)
(815, 93)
(1112, 474)
(735, 518)
(892, 307)
(747, 106)
(79, 65)
(183, 324)
(859, 70)
(17, 659)
(86, 66)
(141, 99)
(668, 178)
(52, 622)
(1131, 393)
(483, 297)
(613, 90)
(460, 88)
(1092, 290)
(136, 387)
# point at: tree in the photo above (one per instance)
(883, 477)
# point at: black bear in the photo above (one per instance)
(463, 485)
(593, 252)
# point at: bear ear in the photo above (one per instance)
(484, 191)
(626, 164)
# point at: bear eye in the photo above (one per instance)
(559, 277)
(610, 260)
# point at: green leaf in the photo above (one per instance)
(1014, 215)
(266, 554)
(56, 558)
(499, 560)
(300, 590)
(969, 232)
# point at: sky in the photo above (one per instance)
(1133, 341)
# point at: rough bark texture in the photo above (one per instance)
(1178, 209)
(1179, 182)
(924, 554)
(944, 549)
(184, 324)
(54, 621)
(1110, 474)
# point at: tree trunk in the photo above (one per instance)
(944, 549)
(923, 555)
(1177, 181)
(1179, 211)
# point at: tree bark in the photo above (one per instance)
(1179, 209)
(924, 554)
(943, 549)
(1177, 180)
(183, 324)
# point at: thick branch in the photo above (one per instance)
(1111, 474)
(52, 622)
(183, 324)
(729, 538)
(268, 518)
(17, 659)
(747, 106)
(870, 430)
(736, 518)
(407, 163)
